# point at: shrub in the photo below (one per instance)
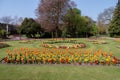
(3, 33)
(3, 45)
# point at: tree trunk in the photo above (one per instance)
(20, 36)
(56, 33)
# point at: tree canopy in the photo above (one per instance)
(50, 13)
(77, 25)
(114, 27)
(30, 27)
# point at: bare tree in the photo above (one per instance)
(17, 20)
(104, 19)
(50, 13)
(106, 15)
(7, 20)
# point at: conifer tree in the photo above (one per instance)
(114, 27)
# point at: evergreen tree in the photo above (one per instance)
(114, 27)
(30, 28)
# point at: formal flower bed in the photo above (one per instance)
(26, 42)
(59, 56)
(3, 45)
(96, 41)
(56, 41)
(63, 44)
(117, 39)
(100, 42)
(74, 46)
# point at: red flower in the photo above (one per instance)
(62, 61)
(6, 59)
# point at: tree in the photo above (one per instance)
(77, 25)
(7, 20)
(101, 28)
(17, 21)
(50, 13)
(73, 21)
(104, 19)
(91, 28)
(30, 28)
(114, 27)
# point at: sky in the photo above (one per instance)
(26, 8)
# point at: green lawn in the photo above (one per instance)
(60, 72)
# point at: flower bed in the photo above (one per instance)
(60, 41)
(117, 39)
(59, 56)
(95, 41)
(26, 42)
(75, 46)
(100, 42)
(63, 44)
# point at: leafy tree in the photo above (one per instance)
(94, 30)
(114, 27)
(101, 28)
(89, 28)
(30, 27)
(72, 20)
(50, 14)
(77, 25)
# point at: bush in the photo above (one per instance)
(3, 33)
(3, 45)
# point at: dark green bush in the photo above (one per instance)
(3, 45)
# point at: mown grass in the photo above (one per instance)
(60, 72)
